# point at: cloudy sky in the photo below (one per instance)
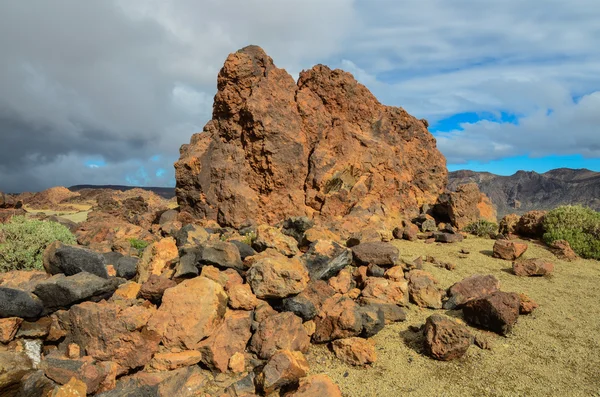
(105, 91)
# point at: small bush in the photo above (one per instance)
(249, 238)
(580, 226)
(23, 241)
(139, 245)
(482, 228)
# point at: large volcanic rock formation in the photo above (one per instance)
(322, 147)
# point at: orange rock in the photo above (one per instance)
(423, 290)
(171, 361)
(466, 205)
(74, 388)
(25, 280)
(509, 250)
(395, 273)
(355, 351)
(562, 249)
(316, 385)
(73, 350)
(271, 237)
(241, 297)
(189, 313)
(386, 290)
(282, 331)
(532, 267)
(339, 318)
(527, 305)
(237, 363)
(158, 258)
(229, 338)
(110, 269)
(283, 368)
(322, 147)
(226, 278)
(8, 328)
(343, 282)
(128, 290)
(273, 275)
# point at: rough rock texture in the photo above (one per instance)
(285, 367)
(497, 312)
(473, 287)
(157, 259)
(69, 260)
(17, 303)
(423, 290)
(316, 385)
(283, 331)
(376, 253)
(508, 225)
(274, 275)
(467, 204)
(446, 339)
(532, 267)
(355, 351)
(509, 250)
(562, 249)
(324, 147)
(531, 224)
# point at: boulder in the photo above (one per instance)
(158, 259)
(191, 236)
(154, 288)
(283, 368)
(189, 262)
(531, 224)
(377, 253)
(422, 289)
(61, 292)
(221, 253)
(24, 280)
(466, 205)
(93, 374)
(497, 312)
(410, 232)
(445, 339)
(69, 260)
(271, 237)
(126, 267)
(562, 250)
(509, 250)
(386, 290)
(472, 287)
(343, 282)
(325, 258)
(17, 303)
(376, 313)
(244, 249)
(225, 278)
(339, 318)
(532, 267)
(189, 313)
(286, 161)
(443, 237)
(273, 275)
(229, 338)
(35, 384)
(316, 385)
(109, 332)
(282, 331)
(308, 303)
(355, 351)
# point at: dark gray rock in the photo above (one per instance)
(375, 271)
(373, 320)
(391, 312)
(442, 237)
(428, 226)
(131, 387)
(377, 253)
(308, 303)
(70, 260)
(322, 264)
(168, 216)
(221, 253)
(61, 292)
(126, 267)
(17, 303)
(35, 384)
(497, 312)
(111, 258)
(296, 226)
(189, 263)
(245, 249)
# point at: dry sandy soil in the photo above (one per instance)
(553, 352)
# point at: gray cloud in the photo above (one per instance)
(126, 80)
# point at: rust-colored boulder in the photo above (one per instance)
(466, 205)
(497, 312)
(225, 278)
(108, 332)
(445, 339)
(189, 313)
(531, 224)
(343, 282)
(94, 374)
(308, 303)
(532, 267)
(509, 250)
(473, 287)
(316, 385)
(229, 338)
(73, 388)
(562, 250)
(355, 351)
(283, 368)
(158, 259)
(339, 318)
(282, 331)
(386, 290)
(508, 225)
(422, 289)
(322, 147)
(273, 275)
(376, 253)
(25, 280)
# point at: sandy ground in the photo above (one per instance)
(553, 352)
(75, 216)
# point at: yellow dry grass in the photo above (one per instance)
(553, 352)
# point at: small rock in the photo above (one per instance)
(225, 278)
(562, 250)
(343, 282)
(316, 385)
(38, 329)
(296, 227)
(386, 290)
(423, 290)
(128, 290)
(375, 271)
(482, 342)
(126, 267)
(158, 258)
(270, 237)
(473, 287)
(237, 363)
(445, 339)
(241, 297)
(73, 351)
(283, 368)
(509, 250)
(377, 253)
(532, 267)
(17, 303)
(527, 305)
(73, 388)
(310, 301)
(244, 249)
(191, 236)
(339, 318)
(171, 361)
(8, 328)
(428, 226)
(391, 313)
(442, 237)
(355, 351)
(154, 288)
(497, 312)
(324, 259)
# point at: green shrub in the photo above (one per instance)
(482, 228)
(580, 226)
(23, 241)
(249, 238)
(139, 245)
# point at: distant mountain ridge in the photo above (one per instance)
(527, 190)
(165, 192)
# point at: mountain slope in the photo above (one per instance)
(528, 190)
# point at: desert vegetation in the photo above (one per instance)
(578, 225)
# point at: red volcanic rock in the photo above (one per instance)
(531, 224)
(562, 249)
(323, 147)
(497, 312)
(509, 250)
(532, 267)
(446, 339)
(466, 205)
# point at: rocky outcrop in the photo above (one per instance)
(323, 147)
(465, 205)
